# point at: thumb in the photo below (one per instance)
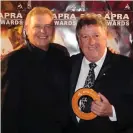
(103, 98)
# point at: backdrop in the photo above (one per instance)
(119, 15)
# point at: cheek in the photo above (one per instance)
(33, 37)
(83, 43)
(51, 32)
(84, 47)
(31, 33)
(34, 33)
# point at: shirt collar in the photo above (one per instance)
(40, 54)
(99, 62)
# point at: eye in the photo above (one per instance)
(84, 36)
(37, 26)
(96, 35)
(48, 26)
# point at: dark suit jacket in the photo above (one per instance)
(115, 82)
(36, 91)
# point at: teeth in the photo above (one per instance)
(42, 36)
(91, 47)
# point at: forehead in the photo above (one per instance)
(86, 29)
(40, 19)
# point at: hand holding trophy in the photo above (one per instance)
(80, 99)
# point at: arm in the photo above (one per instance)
(8, 110)
(4, 78)
(123, 107)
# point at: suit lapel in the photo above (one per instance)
(104, 70)
(75, 72)
(74, 77)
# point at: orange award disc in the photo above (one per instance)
(75, 99)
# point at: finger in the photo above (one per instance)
(103, 98)
(95, 106)
(99, 103)
(112, 50)
(96, 110)
(100, 111)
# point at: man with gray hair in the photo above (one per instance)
(110, 75)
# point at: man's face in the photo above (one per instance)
(92, 41)
(40, 30)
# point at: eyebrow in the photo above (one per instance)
(92, 33)
(43, 24)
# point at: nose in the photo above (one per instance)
(91, 40)
(43, 30)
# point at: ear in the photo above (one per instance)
(24, 32)
(77, 37)
(25, 29)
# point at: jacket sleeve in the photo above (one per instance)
(4, 77)
(9, 95)
(124, 110)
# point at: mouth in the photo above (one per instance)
(43, 37)
(91, 48)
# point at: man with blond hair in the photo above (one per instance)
(110, 75)
(35, 80)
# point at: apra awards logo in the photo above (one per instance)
(11, 18)
(65, 19)
(117, 19)
(15, 17)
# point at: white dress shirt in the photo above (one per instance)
(84, 73)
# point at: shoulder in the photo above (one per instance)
(9, 63)
(123, 59)
(59, 49)
(119, 60)
(76, 57)
(60, 55)
(123, 62)
(14, 57)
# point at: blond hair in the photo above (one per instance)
(38, 11)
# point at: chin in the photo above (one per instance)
(93, 53)
(94, 59)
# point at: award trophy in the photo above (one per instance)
(76, 99)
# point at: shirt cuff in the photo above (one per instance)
(113, 118)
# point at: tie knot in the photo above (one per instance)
(92, 65)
